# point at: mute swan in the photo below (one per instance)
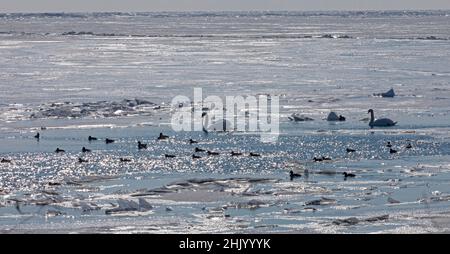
(383, 122)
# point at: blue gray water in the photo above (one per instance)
(79, 75)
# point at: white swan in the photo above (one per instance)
(221, 125)
(383, 122)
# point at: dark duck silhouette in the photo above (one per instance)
(5, 161)
(212, 153)
(235, 153)
(125, 160)
(408, 146)
(198, 150)
(109, 141)
(141, 145)
(293, 175)
(255, 155)
(162, 136)
(392, 151)
(196, 156)
(58, 150)
(191, 141)
(85, 150)
(169, 156)
(389, 144)
(37, 136)
(317, 159)
(323, 158)
(349, 150)
(348, 175)
(81, 160)
(90, 138)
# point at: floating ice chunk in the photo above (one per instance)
(334, 117)
(299, 118)
(144, 205)
(392, 201)
(124, 206)
(322, 201)
(388, 94)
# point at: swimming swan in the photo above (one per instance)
(383, 122)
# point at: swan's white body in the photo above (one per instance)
(383, 122)
(221, 125)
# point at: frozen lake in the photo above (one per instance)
(79, 74)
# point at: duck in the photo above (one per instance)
(235, 153)
(408, 146)
(348, 175)
(125, 160)
(255, 155)
(383, 122)
(141, 145)
(90, 138)
(37, 136)
(317, 159)
(191, 141)
(323, 158)
(85, 150)
(58, 150)
(349, 150)
(81, 160)
(5, 161)
(213, 153)
(198, 150)
(109, 141)
(196, 156)
(293, 175)
(162, 136)
(389, 144)
(392, 151)
(169, 156)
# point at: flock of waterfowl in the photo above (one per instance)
(333, 117)
(384, 122)
(143, 146)
(197, 151)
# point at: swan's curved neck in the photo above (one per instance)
(372, 117)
